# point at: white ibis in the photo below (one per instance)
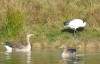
(74, 24)
(68, 52)
(18, 47)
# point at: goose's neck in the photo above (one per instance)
(28, 40)
(65, 50)
(28, 46)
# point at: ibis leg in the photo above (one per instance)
(77, 32)
(74, 33)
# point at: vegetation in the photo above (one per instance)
(45, 19)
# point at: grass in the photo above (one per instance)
(14, 24)
(45, 19)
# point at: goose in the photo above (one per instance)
(74, 24)
(68, 52)
(18, 47)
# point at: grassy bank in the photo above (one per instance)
(45, 19)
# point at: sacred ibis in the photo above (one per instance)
(74, 24)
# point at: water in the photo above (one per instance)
(48, 56)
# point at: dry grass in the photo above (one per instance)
(45, 18)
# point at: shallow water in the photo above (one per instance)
(48, 56)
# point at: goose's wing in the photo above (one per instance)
(14, 45)
(9, 44)
(19, 46)
(72, 50)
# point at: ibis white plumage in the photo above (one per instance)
(74, 24)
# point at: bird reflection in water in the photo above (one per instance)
(21, 57)
(8, 55)
(28, 57)
(69, 61)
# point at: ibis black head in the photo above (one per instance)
(66, 23)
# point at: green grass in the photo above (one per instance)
(14, 24)
(45, 19)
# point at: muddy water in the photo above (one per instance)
(49, 56)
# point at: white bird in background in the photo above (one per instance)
(19, 47)
(74, 24)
